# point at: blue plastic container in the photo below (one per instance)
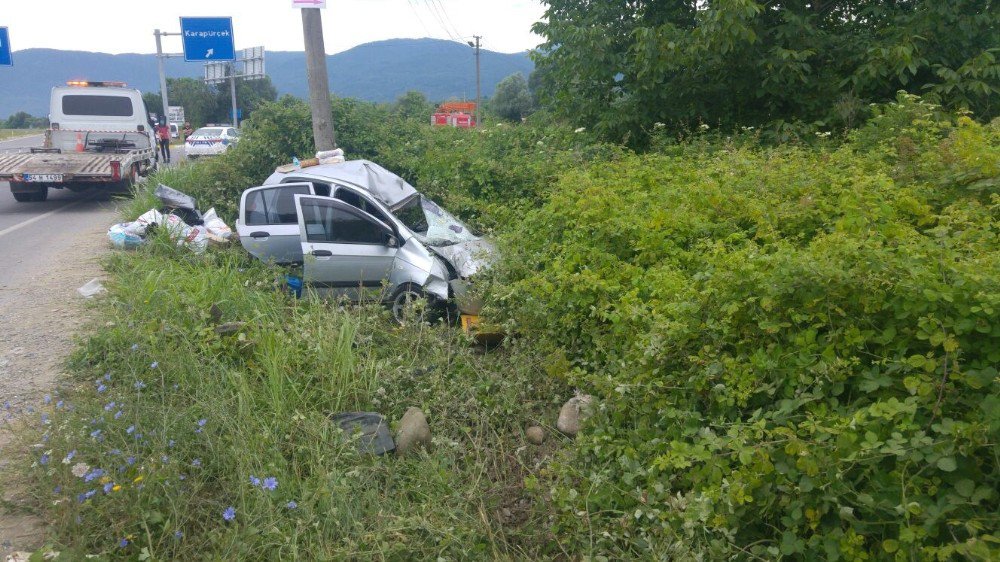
(294, 285)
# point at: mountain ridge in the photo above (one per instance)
(379, 71)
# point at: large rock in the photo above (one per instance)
(413, 432)
(535, 435)
(573, 413)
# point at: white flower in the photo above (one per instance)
(80, 469)
(703, 126)
(580, 130)
(658, 125)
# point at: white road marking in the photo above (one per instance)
(33, 220)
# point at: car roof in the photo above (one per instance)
(386, 186)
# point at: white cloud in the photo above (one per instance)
(126, 26)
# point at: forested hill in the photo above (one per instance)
(379, 71)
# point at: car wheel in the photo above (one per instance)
(410, 305)
(23, 197)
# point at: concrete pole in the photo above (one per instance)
(163, 75)
(319, 83)
(232, 92)
(479, 93)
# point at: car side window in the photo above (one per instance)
(328, 223)
(231, 132)
(359, 202)
(272, 206)
(320, 188)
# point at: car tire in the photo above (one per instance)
(41, 195)
(409, 304)
(23, 197)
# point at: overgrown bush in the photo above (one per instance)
(794, 350)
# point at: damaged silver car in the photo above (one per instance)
(363, 232)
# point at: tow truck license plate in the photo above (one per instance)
(43, 177)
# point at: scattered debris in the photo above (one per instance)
(374, 432)
(413, 432)
(573, 413)
(91, 289)
(182, 220)
(535, 435)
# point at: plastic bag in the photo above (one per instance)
(139, 226)
(173, 198)
(91, 288)
(216, 229)
(195, 239)
(335, 156)
(122, 236)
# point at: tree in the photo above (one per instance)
(196, 97)
(250, 95)
(413, 105)
(619, 66)
(511, 99)
(153, 101)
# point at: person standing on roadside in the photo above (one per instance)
(187, 131)
(163, 133)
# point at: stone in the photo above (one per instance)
(229, 328)
(215, 313)
(413, 432)
(369, 428)
(535, 435)
(573, 413)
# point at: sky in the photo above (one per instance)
(126, 26)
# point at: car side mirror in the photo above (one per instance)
(391, 241)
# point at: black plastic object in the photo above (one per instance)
(189, 216)
(175, 199)
(374, 432)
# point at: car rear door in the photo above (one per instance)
(346, 251)
(268, 226)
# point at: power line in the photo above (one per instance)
(416, 13)
(436, 12)
(458, 35)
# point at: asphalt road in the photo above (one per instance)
(32, 234)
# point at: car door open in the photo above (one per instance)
(346, 251)
(268, 226)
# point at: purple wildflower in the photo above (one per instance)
(108, 487)
(254, 480)
(164, 459)
(139, 385)
(101, 388)
(44, 460)
(154, 364)
(130, 460)
(270, 483)
(69, 456)
(178, 535)
(135, 347)
(93, 475)
(292, 505)
(96, 433)
(90, 494)
(123, 543)
(118, 414)
(47, 399)
(59, 404)
(109, 406)
(130, 430)
(107, 376)
(229, 514)
(196, 463)
(202, 422)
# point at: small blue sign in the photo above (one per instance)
(208, 39)
(5, 57)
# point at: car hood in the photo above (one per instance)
(468, 257)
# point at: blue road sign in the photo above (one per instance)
(5, 57)
(208, 39)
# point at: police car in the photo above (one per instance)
(209, 141)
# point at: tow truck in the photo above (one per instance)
(100, 137)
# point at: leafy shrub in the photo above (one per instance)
(795, 350)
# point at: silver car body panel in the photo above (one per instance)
(386, 186)
(265, 240)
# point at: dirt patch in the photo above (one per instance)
(40, 314)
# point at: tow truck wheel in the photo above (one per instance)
(40, 194)
(23, 197)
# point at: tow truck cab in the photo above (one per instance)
(97, 107)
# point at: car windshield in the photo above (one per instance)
(432, 224)
(207, 132)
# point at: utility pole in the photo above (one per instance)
(319, 83)
(232, 92)
(479, 95)
(163, 74)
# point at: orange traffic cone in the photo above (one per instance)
(79, 142)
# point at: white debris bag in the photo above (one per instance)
(215, 228)
(195, 238)
(92, 288)
(140, 225)
(122, 237)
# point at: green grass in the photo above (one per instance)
(265, 395)
(7, 134)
